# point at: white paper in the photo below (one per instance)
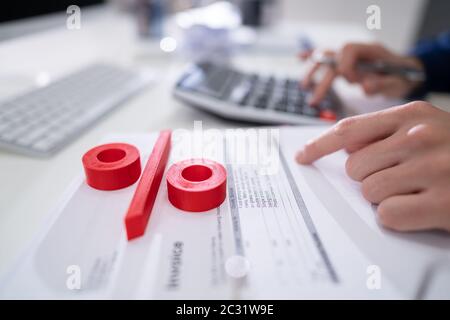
(284, 231)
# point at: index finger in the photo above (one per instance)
(322, 88)
(362, 129)
(326, 143)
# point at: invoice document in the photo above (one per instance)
(285, 231)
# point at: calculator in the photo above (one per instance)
(232, 94)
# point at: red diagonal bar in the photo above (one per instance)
(144, 197)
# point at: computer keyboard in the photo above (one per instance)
(42, 121)
(229, 93)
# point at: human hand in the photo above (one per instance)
(347, 60)
(401, 156)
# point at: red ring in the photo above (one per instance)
(196, 185)
(112, 166)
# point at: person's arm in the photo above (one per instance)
(434, 54)
(401, 156)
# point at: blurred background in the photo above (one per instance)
(159, 34)
(403, 21)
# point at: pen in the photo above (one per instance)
(378, 66)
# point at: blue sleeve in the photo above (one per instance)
(435, 56)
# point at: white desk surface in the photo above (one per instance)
(30, 187)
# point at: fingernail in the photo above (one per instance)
(300, 157)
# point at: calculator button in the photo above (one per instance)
(328, 115)
(310, 111)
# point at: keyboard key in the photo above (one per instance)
(4, 125)
(240, 93)
(281, 105)
(45, 144)
(292, 108)
(33, 135)
(261, 104)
